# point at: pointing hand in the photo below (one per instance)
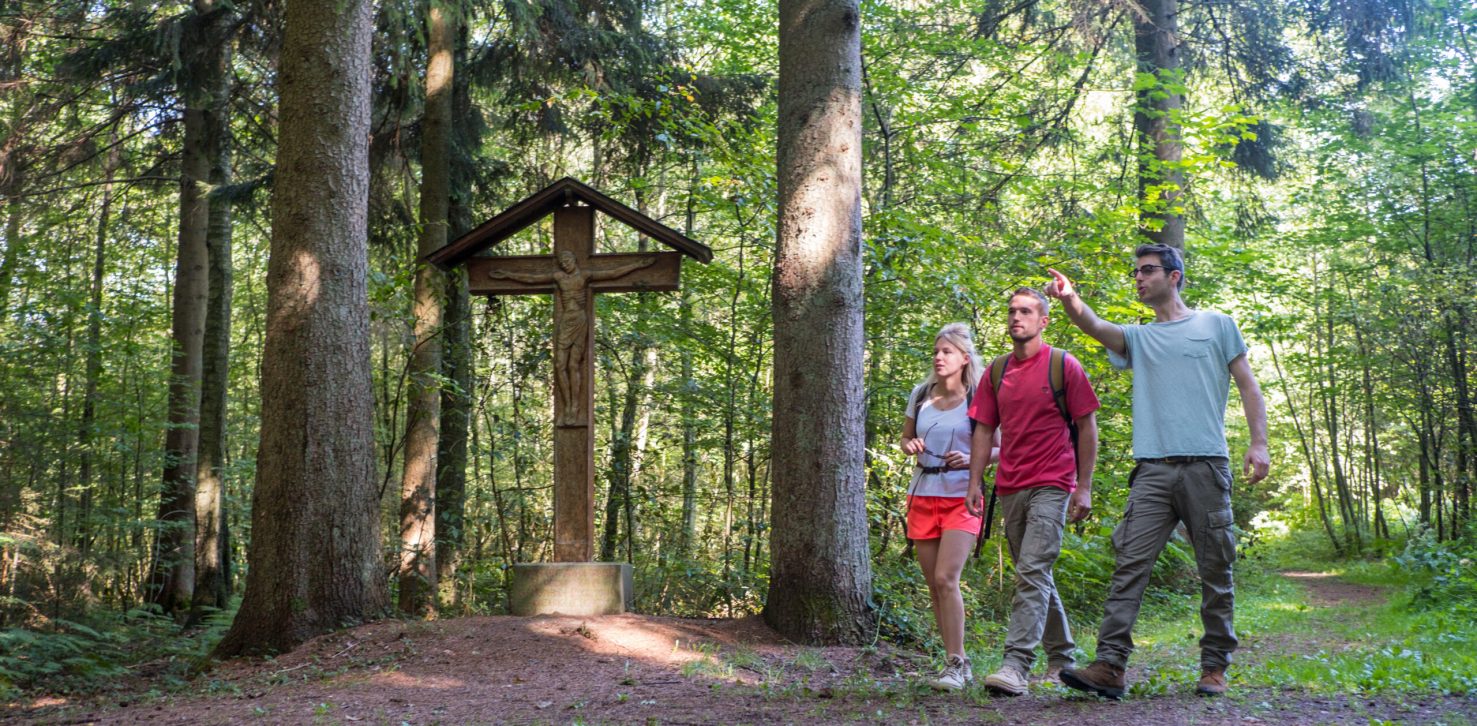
(1060, 287)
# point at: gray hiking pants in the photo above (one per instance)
(1033, 522)
(1164, 494)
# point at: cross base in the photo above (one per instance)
(571, 588)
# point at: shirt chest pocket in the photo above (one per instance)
(1198, 347)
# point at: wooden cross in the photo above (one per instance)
(573, 273)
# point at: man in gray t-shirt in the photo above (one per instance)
(1182, 365)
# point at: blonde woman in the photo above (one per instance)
(937, 431)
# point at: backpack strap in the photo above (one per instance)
(1058, 372)
(919, 395)
(1058, 375)
(997, 372)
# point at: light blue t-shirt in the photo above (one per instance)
(1181, 381)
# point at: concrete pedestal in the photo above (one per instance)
(571, 588)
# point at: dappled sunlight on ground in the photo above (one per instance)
(639, 669)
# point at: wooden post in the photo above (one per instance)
(574, 411)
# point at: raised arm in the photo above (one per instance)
(1082, 316)
(1257, 462)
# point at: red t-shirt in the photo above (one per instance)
(1035, 445)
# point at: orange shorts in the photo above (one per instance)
(928, 517)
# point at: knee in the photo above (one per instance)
(943, 584)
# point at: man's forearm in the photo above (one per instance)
(979, 451)
(1082, 316)
(1086, 455)
(1255, 408)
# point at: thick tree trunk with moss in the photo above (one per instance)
(820, 576)
(1161, 183)
(315, 560)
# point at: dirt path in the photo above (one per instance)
(640, 669)
(1325, 589)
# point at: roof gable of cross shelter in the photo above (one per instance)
(562, 193)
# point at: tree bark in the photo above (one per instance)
(94, 355)
(689, 395)
(212, 581)
(11, 259)
(172, 580)
(456, 359)
(423, 410)
(1161, 183)
(820, 575)
(314, 561)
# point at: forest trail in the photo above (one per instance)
(643, 669)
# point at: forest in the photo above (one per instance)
(239, 411)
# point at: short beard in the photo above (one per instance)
(1022, 339)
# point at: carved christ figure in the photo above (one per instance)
(572, 322)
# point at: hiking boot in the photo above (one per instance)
(1212, 682)
(1054, 671)
(955, 675)
(1102, 678)
(1008, 681)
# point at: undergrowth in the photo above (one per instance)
(61, 656)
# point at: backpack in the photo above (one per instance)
(1056, 373)
(921, 393)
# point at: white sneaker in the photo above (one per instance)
(1008, 681)
(955, 675)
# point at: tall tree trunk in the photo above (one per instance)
(94, 354)
(1308, 457)
(1466, 432)
(11, 258)
(172, 581)
(1329, 394)
(1372, 435)
(423, 411)
(689, 395)
(212, 580)
(314, 562)
(1161, 183)
(456, 353)
(820, 574)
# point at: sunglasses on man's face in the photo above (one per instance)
(1147, 270)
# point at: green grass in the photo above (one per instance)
(1358, 648)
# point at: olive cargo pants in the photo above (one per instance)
(1033, 520)
(1165, 493)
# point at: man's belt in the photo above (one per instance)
(1180, 459)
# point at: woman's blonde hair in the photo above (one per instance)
(958, 335)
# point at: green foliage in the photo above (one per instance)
(63, 656)
(1443, 574)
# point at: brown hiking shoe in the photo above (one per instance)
(1102, 678)
(1212, 682)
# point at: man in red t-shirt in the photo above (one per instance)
(1041, 481)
